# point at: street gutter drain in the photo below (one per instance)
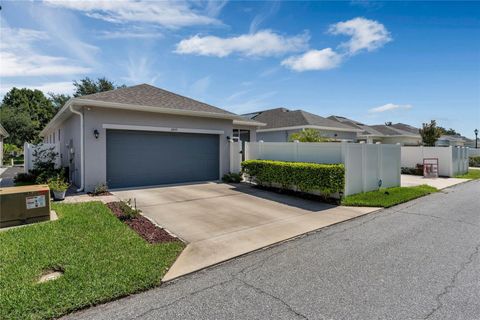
(50, 274)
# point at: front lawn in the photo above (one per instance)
(472, 174)
(102, 259)
(387, 197)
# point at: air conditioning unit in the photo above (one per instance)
(22, 205)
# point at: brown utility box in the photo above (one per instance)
(22, 205)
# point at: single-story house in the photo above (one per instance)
(452, 140)
(282, 122)
(3, 135)
(387, 134)
(143, 135)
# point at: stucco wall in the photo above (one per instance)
(283, 135)
(95, 149)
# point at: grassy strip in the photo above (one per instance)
(102, 259)
(387, 197)
(472, 174)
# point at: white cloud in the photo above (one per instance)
(390, 107)
(140, 69)
(65, 87)
(262, 43)
(200, 87)
(256, 103)
(365, 34)
(170, 14)
(19, 58)
(314, 60)
(126, 34)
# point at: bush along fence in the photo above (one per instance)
(367, 167)
(326, 179)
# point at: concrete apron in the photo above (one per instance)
(208, 252)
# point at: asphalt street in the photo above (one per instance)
(419, 260)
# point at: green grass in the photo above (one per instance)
(102, 258)
(380, 198)
(472, 174)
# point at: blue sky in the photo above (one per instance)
(371, 61)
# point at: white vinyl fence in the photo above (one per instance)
(473, 152)
(451, 160)
(28, 152)
(367, 166)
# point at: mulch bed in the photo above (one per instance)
(106, 193)
(144, 227)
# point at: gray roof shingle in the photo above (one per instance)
(147, 95)
(282, 118)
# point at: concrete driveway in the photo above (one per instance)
(221, 221)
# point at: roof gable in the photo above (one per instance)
(284, 118)
(147, 95)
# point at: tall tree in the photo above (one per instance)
(24, 113)
(308, 135)
(89, 86)
(448, 132)
(430, 133)
(58, 100)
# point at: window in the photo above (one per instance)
(58, 135)
(53, 137)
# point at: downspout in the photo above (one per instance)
(82, 159)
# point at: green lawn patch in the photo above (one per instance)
(387, 197)
(101, 257)
(472, 174)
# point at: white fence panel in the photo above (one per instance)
(365, 164)
(235, 156)
(473, 152)
(451, 160)
(28, 153)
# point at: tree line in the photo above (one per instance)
(25, 112)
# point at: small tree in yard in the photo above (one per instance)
(308, 135)
(44, 160)
(430, 133)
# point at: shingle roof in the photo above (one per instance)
(392, 131)
(367, 130)
(406, 127)
(283, 118)
(3, 132)
(147, 95)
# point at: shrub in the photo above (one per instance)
(58, 183)
(418, 170)
(100, 189)
(128, 213)
(325, 178)
(474, 161)
(232, 178)
(24, 178)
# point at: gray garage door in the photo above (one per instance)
(140, 158)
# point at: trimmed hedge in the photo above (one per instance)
(474, 161)
(325, 178)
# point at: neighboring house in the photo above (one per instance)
(282, 122)
(451, 140)
(143, 135)
(388, 134)
(3, 134)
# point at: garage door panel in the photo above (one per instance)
(139, 158)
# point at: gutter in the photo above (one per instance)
(82, 159)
